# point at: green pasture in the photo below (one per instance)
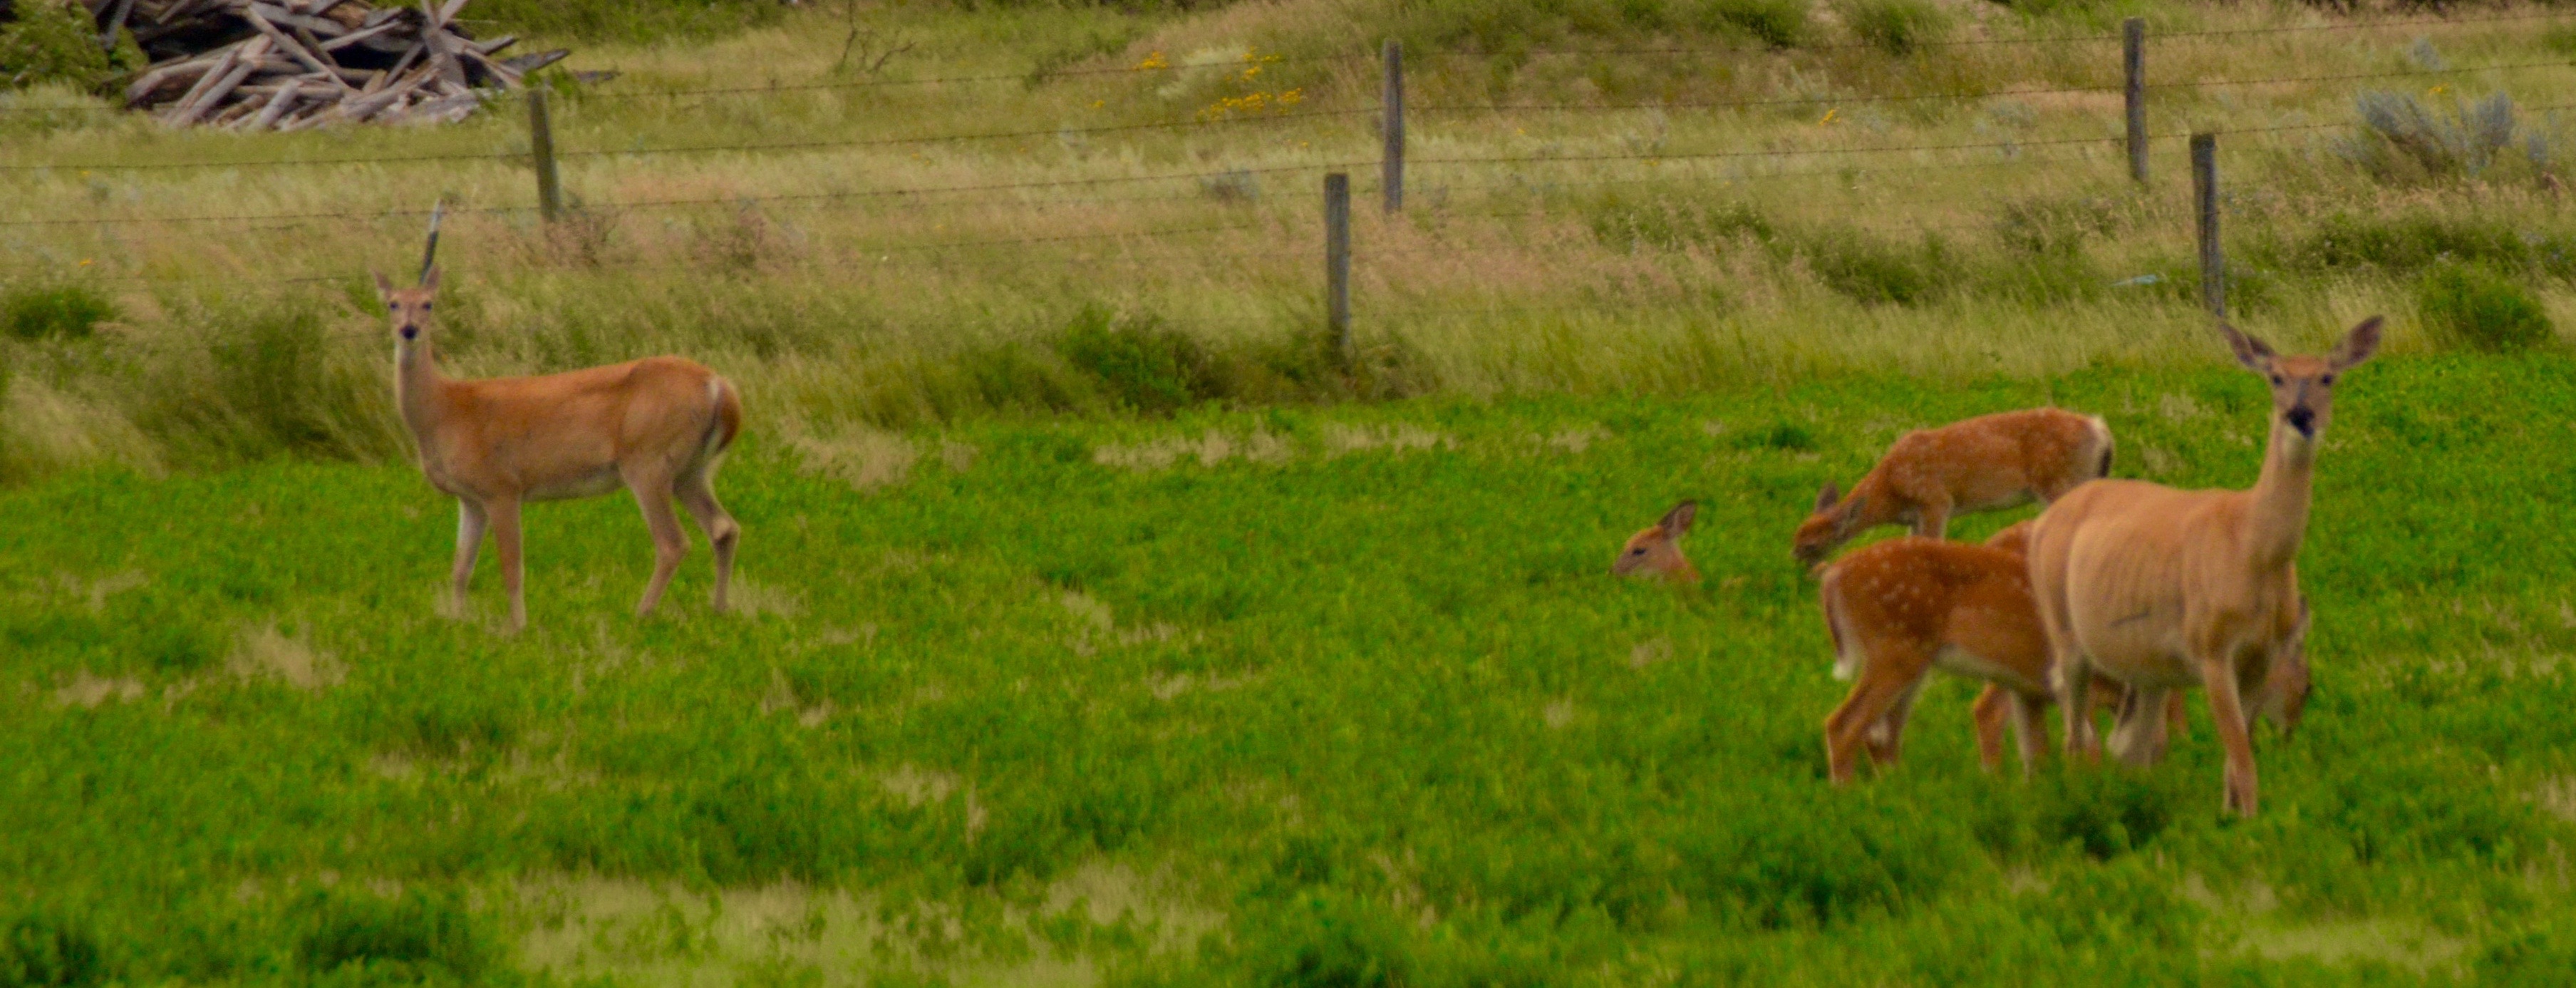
(1329, 695)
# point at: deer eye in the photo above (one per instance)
(393, 307)
(2277, 381)
(1639, 551)
(2327, 380)
(424, 307)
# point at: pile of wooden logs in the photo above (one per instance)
(293, 64)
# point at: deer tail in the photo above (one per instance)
(726, 423)
(1829, 592)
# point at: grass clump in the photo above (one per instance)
(2476, 307)
(42, 951)
(1777, 23)
(416, 937)
(37, 312)
(1897, 27)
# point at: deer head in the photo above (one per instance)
(1657, 551)
(1831, 525)
(409, 306)
(2303, 385)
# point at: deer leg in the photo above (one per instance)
(2029, 733)
(1994, 707)
(2138, 732)
(1848, 728)
(1888, 737)
(698, 494)
(2218, 677)
(670, 544)
(471, 522)
(1932, 520)
(2070, 676)
(504, 514)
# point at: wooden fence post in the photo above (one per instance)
(2133, 63)
(2204, 187)
(1337, 263)
(1391, 164)
(541, 144)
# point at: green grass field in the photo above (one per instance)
(1312, 696)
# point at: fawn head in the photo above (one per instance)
(409, 306)
(2303, 385)
(1657, 551)
(1831, 525)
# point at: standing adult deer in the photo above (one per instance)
(2161, 589)
(656, 426)
(1981, 464)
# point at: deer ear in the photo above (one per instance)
(384, 286)
(2357, 345)
(1825, 498)
(1852, 511)
(429, 278)
(1678, 520)
(2255, 354)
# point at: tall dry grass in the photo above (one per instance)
(849, 276)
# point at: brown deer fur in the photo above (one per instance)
(1657, 551)
(655, 426)
(1981, 464)
(2161, 589)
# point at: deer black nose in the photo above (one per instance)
(2302, 419)
(410, 332)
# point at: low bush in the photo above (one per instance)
(1777, 23)
(2471, 306)
(1897, 27)
(357, 937)
(53, 41)
(1873, 271)
(1144, 365)
(67, 312)
(49, 951)
(2350, 243)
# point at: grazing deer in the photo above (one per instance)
(1898, 609)
(1657, 552)
(656, 426)
(2161, 589)
(1981, 464)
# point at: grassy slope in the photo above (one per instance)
(1587, 277)
(1355, 707)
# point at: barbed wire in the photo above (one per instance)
(289, 220)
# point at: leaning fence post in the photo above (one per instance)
(1337, 262)
(541, 143)
(1391, 165)
(2204, 187)
(2133, 63)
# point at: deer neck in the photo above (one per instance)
(2277, 514)
(418, 386)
